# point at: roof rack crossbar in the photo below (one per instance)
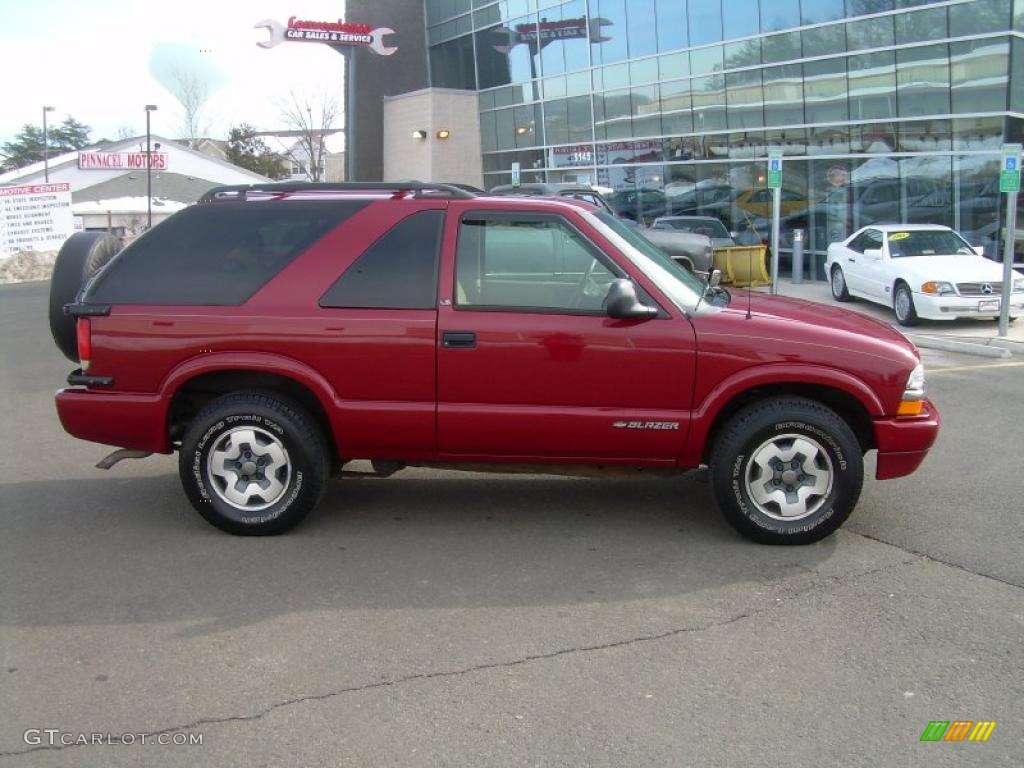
(240, 191)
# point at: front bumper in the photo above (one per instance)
(904, 442)
(951, 307)
(122, 420)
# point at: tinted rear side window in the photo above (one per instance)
(399, 271)
(218, 253)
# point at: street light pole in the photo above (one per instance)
(149, 171)
(46, 146)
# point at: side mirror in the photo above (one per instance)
(873, 253)
(715, 278)
(622, 302)
(979, 249)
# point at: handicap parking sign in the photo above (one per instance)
(1011, 163)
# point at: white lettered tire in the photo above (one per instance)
(254, 463)
(787, 470)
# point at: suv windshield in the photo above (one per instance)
(682, 287)
(927, 242)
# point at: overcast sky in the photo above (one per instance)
(95, 59)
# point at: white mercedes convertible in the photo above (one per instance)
(921, 271)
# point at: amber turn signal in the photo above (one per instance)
(910, 408)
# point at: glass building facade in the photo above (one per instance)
(886, 110)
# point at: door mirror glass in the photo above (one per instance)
(622, 302)
(873, 253)
(715, 278)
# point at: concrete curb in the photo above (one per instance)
(963, 347)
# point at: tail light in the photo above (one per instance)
(84, 332)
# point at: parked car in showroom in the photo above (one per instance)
(273, 333)
(921, 271)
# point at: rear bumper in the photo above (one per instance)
(122, 420)
(903, 443)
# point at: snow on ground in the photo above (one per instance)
(27, 265)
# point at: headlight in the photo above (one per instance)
(912, 402)
(938, 288)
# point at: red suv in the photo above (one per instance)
(271, 334)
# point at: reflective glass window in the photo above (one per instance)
(676, 116)
(979, 17)
(646, 111)
(1017, 77)
(642, 28)
(921, 26)
(706, 60)
(780, 14)
(708, 97)
(672, 25)
(581, 119)
(979, 72)
(705, 21)
(743, 54)
(612, 114)
(505, 128)
(528, 126)
(872, 83)
(556, 121)
(645, 71)
(825, 91)
(674, 65)
(784, 47)
(864, 7)
(451, 64)
(818, 11)
(564, 35)
(744, 99)
(922, 78)
(783, 95)
(488, 141)
(870, 33)
(824, 41)
(740, 18)
(616, 47)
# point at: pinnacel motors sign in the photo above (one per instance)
(121, 161)
(331, 32)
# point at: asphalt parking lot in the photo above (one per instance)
(438, 618)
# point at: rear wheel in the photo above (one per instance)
(786, 471)
(838, 280)
(254, 463)
(81, 256)
(903, 305)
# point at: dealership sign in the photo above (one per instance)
(121, 161)
(331, 32)
(546, 32)
(35, 217)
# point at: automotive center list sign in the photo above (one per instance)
(35, 217)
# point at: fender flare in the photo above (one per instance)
(731, 387)
(257, 362)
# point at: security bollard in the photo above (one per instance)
(798, 255)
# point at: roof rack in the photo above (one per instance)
(421, 188)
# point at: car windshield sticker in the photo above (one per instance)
(899, 236)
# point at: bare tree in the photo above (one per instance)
(125, 131)
(312, 120)
(191, 91)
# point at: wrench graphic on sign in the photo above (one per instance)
(276, 35)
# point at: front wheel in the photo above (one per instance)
(254, 463)
(787, 470)
(903, 305)
(839, 290)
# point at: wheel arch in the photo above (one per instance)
(194, 384)
(849, 397)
